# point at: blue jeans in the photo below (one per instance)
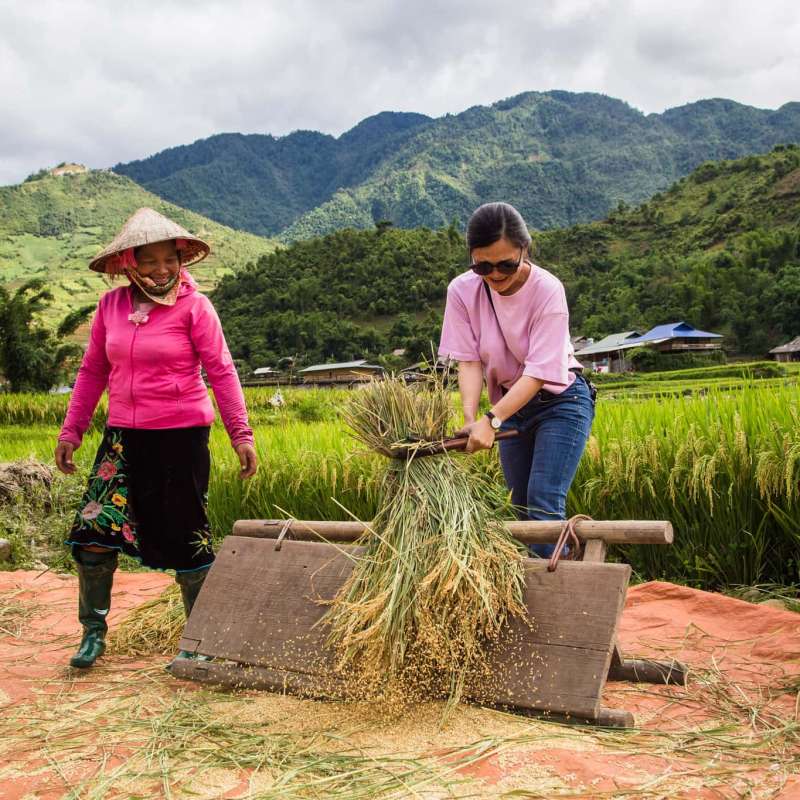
(540, 464)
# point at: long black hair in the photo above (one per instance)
(492, 221)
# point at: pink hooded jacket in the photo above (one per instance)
(152, 369)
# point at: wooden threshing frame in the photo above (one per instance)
(259, 610)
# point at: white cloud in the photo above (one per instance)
(102, 82)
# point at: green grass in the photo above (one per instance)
(723, 467)
(748, 369)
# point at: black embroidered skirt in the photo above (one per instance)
(147, 497)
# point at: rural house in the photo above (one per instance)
(266, 376)
(345, 373)
(787, 352)
(579, 342)
(679, 337)
(443, 368)
(608, 354)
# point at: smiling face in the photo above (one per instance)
(502, 250)
(159, 262)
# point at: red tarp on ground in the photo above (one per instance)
(744, 645)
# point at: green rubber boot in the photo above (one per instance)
(190, 583)
(95, 578)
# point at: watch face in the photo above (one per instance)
(496, 423)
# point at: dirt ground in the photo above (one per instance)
(128, 729)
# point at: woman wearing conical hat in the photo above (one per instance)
(147, 490)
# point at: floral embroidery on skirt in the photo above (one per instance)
(105, 508)
(147, 496)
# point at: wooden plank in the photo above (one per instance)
(559, 659)
(575, 606)
(528, 532)
(614, 718)
(262, 607)
(246, 676)
(595, 550)
(259, 606)
(607, 717)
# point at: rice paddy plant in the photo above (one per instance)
(304, 405)
(724, 468)
(36, 520)
(309, 471)
(41, 409)
(439, 574)
(15, 612)
(159, 743)
(298, 405)
(678, 388)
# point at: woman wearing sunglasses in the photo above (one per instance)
(506, 321)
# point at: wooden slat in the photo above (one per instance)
(559, 662)
(595, 551)
(259, 606)
(262, 607)
(529, 532)
(246, 676)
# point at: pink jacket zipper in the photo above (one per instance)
(133, 400)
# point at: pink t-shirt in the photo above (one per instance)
(529, 334)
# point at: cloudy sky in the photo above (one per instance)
(102, 82)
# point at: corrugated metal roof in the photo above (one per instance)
(616, 341)
(344, 365)
(676, 330)
(789, 347)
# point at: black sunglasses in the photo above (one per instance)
(506, 267)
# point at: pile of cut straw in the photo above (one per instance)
(440, 573)
(155, 627)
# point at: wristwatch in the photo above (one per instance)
(494, 420)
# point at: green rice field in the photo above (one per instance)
(722, 464)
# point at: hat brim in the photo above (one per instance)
(193, 253)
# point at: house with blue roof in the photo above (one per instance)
(609, 354)
(679, 337)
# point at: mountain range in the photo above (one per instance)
(562, 158)
(720, 249)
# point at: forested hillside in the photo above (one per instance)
(718, 249)
(51, 226)
(561, 157)
(264, 184)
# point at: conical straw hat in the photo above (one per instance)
(147, 226)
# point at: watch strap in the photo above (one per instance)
(494, 420)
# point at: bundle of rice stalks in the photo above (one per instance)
(153, 628)
(440, 573)
(390, 417)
